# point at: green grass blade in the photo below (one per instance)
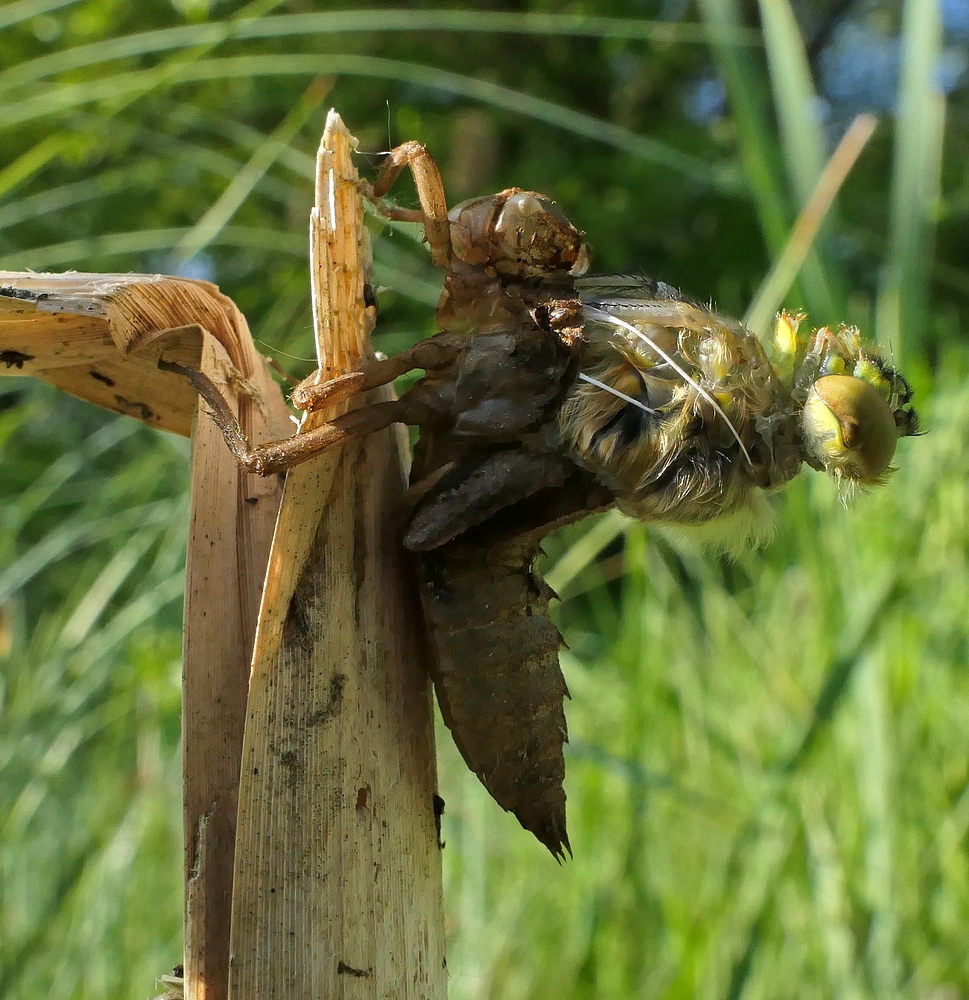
(124, 85)
(24, 10)
(97, 250)
(218, 215)
(582, 553)
(248, 27)
(755, 132)
(802, 137)
(795, 99)
(96, 54)
(31, 162)
(874, 795)
(903, 299)
(832, 906)
(523, 22)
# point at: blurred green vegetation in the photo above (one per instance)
(768, 774)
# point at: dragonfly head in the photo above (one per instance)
(851, 422)
(854, 405)
(518, 233)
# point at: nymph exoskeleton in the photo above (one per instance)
(548, 395)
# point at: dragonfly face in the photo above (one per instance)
(849, 428)
(855, 410)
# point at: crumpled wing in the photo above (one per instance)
(470, 493)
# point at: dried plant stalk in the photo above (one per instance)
(99, 336)
(337, 889)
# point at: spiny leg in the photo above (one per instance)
(278, 456)
(430, 191)
(432, 355)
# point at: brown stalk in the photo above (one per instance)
(337, 888)
(337, 869)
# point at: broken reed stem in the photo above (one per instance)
(228, 547)
(337, 887)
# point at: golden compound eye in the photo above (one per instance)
(849, 428)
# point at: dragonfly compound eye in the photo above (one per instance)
(849, 428)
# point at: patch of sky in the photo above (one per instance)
(859, 69)
(704, 99)
(955, 19)
(950, 71)
(672, 10)
(199, 267)
(625, 65)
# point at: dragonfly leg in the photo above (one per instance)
(278, 456)
(430, 191)
(436, 353)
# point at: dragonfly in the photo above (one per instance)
(549, 394)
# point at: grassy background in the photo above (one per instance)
(768, 774)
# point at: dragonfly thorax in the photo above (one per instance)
(685, 417)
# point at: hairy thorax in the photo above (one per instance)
(696, 423)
